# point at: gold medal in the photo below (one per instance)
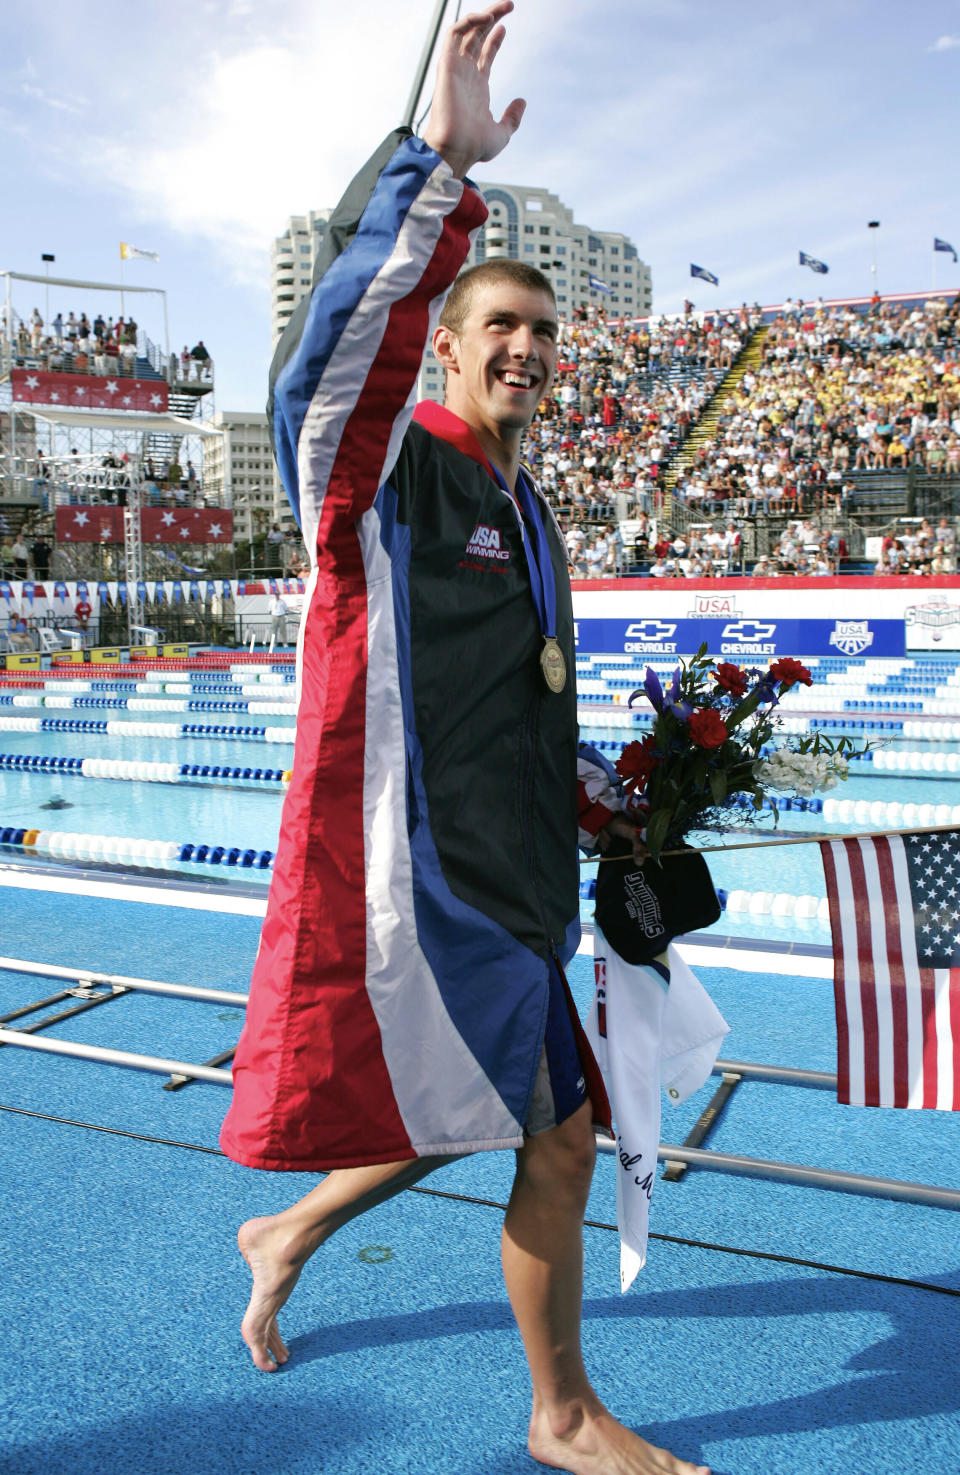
(552, 664)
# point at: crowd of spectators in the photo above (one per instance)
(837, 391)
(74, 345)
(920, 549)
(106, 480)
(625, 396)
(24, 556)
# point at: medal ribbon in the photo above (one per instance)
(542, 582)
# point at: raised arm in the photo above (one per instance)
(344, 376)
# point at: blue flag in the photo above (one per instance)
(597, 286)
(103, 593)
(141, 591)
(194, 589)
(177, 591)
(28, 590)
(226, 588)
(122, 592)
(939, 245)
(706, 276)
(211, 590)
(81, 589)
(813, 263)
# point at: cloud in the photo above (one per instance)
(270, 126)
(945, 43)
(63, 104)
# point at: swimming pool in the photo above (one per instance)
(197, 759)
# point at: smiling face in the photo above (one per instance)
(500, 362)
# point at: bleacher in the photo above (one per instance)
(857, 503)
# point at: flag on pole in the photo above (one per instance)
(133, 253)
(813, 263)
(895, 917)
(939, 245)
(597, 286)
(706, 276)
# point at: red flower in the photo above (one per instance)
(730, 678)
(636, 763)
(707, 729)
(788, 672)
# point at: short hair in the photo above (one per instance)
(500, 269)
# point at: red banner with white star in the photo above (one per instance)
(89, 391)
(186, 525)
(183, 525)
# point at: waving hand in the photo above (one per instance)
(461, 126)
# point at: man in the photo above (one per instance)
(200, 357)
(41, 558)
(19, 637)
(274, 546)
(21, 556)
(278, 619)
(408, 1004)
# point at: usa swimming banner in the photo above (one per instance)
(895, 916)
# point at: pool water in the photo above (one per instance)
(246, 815)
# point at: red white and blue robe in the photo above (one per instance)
(427, 864)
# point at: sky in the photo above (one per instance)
(729, 134)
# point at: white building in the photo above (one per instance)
(535, 226)
(240, 464)
(292, 258)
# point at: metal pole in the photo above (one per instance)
(873, 226)
(781, 1075)
(166, 332)
(753, 1167)
(117, 980)
(424, 64)
(154, 1063)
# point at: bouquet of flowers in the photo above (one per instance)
(709, 744)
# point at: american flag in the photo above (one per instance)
(895, 917)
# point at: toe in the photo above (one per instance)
(263, 1360)
(277, 1345)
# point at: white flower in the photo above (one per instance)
(801, 773)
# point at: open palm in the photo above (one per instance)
(461, 126)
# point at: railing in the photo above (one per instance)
(64, 360)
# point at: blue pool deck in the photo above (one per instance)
(122, 1289)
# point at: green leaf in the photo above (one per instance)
(741, 713)
(718, 786)
(657, 826)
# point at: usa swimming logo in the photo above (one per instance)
(485, 543)
(851, 636)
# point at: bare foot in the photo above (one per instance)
(275, 1263)
(598, 1445)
